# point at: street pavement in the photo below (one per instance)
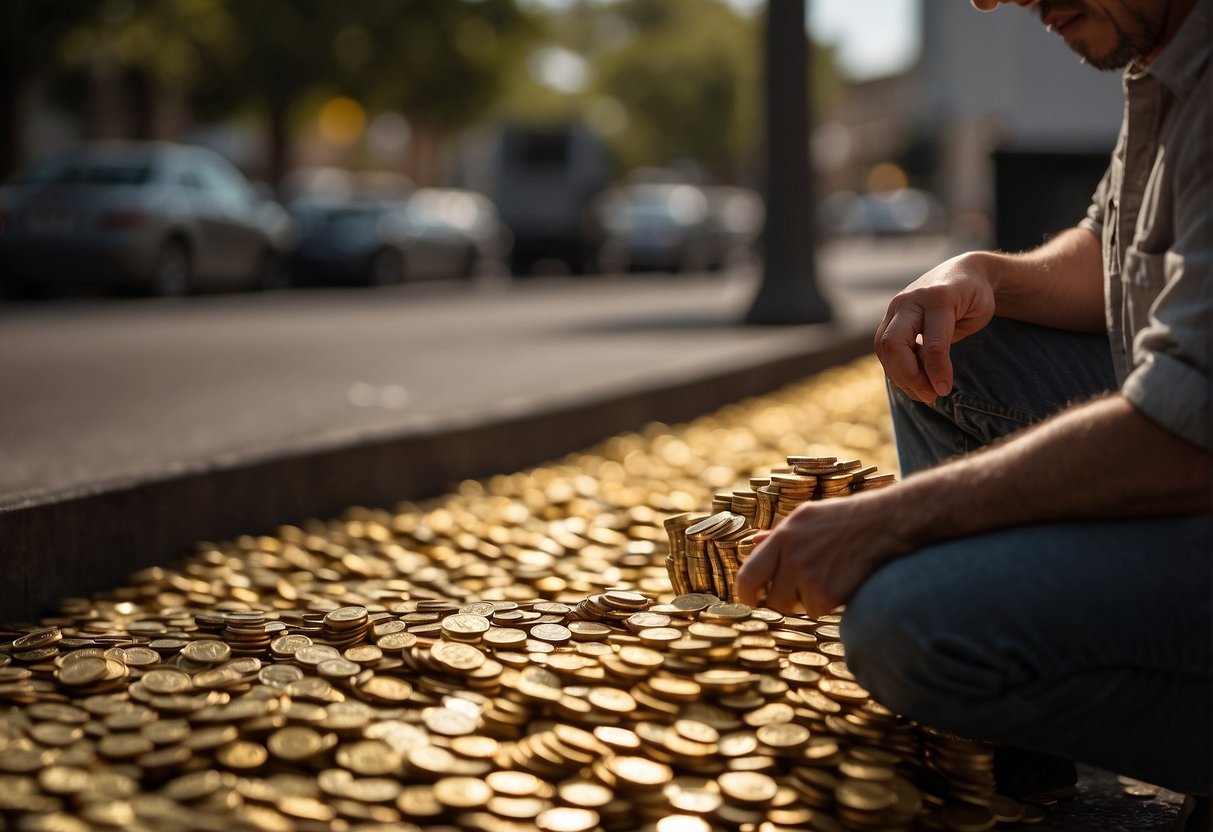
(102, 394)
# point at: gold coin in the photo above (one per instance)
(567, 819)
(696, 731)
(552, 633)
(448, 722)
(55, 734)
(842, 690)
(783, 736)
(695, 601)
(625, 599)
(514, 783)
(166, 681)
(123, 746)
(588, 630)
(338, 669)
(345, 616)
(1143, 790)
(864, 795)
(278, 675)
(369, 758)
(639, 772)
(457, 656)
(387, 689)
(730, 612)
(462, 792)
(419, 803)
(1006, 810)
(37, 639)
(64, 780)
(295, 743)
(584, 793)
(464, 625)
(611, 700)
(396, 642)
(659, 635)
(682, 823)
(968, 818)
(289, 644)
(747, 787)
(313, 654)
(242, 756)
(82, 672)
(206, 651)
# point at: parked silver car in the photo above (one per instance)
(658, 226)
(432, 234)
(158, 217)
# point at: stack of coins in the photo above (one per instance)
(705, 552)
(345, 626)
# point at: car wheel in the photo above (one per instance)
(172, 274)
(386, 269)
(271, 273)
(694, 258)
(471, 263)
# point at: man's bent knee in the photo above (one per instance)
(913, 660)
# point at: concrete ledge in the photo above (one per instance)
(87, 542)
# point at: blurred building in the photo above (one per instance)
(993, 97)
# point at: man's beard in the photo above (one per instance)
(1130, 44)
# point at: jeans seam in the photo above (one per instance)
(959, 402)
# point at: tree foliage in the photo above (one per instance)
(667, 79)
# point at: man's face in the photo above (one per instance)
(1107, 34)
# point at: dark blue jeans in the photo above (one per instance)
(1088, 640)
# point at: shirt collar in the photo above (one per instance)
(1182, 61)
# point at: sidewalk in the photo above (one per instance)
(134, 429)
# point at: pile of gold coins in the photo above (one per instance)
(706, 551)
(507, 657)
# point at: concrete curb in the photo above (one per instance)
(86, 542)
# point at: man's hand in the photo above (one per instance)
(950, 302)
(816, 558)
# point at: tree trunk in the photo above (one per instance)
(278, 163)
(10, 134)
(141, 103)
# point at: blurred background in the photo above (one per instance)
(381, 141)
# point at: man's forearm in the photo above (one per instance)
(1096, 460)
(1059, 284)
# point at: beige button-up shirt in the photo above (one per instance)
(1153, 211)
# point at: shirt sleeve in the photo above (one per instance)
(1170, 381)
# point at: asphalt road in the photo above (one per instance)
(102, 392)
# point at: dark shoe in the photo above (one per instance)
(1194, 817)
(1019, 773)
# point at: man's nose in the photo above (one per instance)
(991, 5)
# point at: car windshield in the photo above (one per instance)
(87, 172)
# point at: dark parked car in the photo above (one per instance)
(159, 217)
(433, 234)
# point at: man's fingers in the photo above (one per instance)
(934, 354)
(756, 572)
(899, 353)
(784, 596)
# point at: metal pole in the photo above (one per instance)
(788, 294)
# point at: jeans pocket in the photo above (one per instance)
(986, 421)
